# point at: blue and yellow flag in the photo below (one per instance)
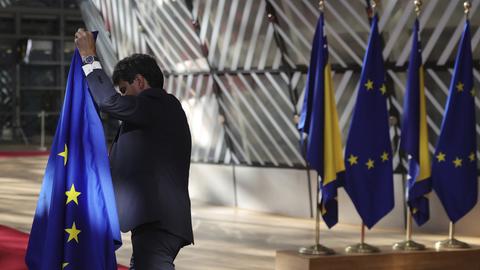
(454, 170)
(76, 223)
(320, 120)
(368, 154)
(414, 140)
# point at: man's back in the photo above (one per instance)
(150, 158)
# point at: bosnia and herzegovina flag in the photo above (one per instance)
(320, 120)
(76, 223)
(454, 170)
(368, 154)
(414, 140)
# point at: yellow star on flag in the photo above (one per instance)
(384, 156)
(64, 154)
(457, 162)
(353, 159)
(383, 89)
(73, 233)
(370, 164)
(65, 264)
(369, 85)
(72, 195)
(460, 87)
(441, 157)
(472, 156)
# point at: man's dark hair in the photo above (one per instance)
(142, 64)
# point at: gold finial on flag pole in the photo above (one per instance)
(418, 6)
(321, 5)
(466, 8)
(375, 4)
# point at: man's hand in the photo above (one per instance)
(85, 42)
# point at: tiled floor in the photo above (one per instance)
(225, 238)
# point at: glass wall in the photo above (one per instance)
(36, 46)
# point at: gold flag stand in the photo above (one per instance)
(361, 247)
(408, 244)
(451, 243)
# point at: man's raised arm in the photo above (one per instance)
(108, 100)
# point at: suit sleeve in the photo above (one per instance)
(108, 100)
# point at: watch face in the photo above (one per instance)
(89, 59)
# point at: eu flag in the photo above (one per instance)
(76, 223)
(454, 170)
(368, 154)
(320, 120)
(414, 140)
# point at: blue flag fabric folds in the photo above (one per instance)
(368, 154)
(76, 223)
(454, 170)
(414, 140)
(320, 120)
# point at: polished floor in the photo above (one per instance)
(225, 238)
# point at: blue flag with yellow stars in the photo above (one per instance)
(320, 120)
(368, 153)
(76, 223)
(414, 140)
(454, 170)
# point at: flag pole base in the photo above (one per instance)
(316, 250)
(451, 244)
(408, 245)
(361, 248)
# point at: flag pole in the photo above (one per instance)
(451, 242)
(317, 249)
(363, 247)
(408, 244)
(362, 235)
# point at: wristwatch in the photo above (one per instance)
(89, 59)
(89, 63)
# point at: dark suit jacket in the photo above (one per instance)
(150, 159)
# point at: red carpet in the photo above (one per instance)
(13, 245)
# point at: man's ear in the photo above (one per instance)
(141, 81)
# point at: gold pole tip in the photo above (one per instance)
(467, 6)
(321, 5)
(418, 6)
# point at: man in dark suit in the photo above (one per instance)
(150, 156)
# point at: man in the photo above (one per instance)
(150, 156)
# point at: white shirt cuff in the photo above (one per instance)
(88, 68)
